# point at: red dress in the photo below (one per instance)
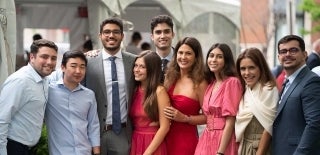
(142, 133)
(182, 138)
(224, 102)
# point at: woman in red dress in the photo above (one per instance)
(150, 98)
(186, 85)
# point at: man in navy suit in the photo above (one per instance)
(296, 129)
(314, 57)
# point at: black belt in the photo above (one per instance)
(109, 127)
(18, 143)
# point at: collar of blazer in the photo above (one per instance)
(296, 84)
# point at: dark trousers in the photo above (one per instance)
(16, 148)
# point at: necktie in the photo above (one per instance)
(284, 84)
(164, 64)
(116, 116)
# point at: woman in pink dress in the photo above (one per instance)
(220, 103)
(150, 98)
(186, 85)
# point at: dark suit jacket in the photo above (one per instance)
(296, 129)
(95, 80)
(313, 60)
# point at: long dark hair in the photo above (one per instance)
(153, 67)
(229, 68)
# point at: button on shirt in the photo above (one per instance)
(72, 120)
(121, 83)
(22, 100)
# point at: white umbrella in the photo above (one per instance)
(184, 11)
(117, 6)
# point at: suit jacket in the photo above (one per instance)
(313, 60)
(296, 129)
(95, 80)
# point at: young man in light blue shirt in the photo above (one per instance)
(23, 99)
(71, 114)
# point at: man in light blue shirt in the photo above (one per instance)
(71, 114)
(23, 99)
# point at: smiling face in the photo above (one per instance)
(215, 61)
(162, 36)
(291, 60)
(140, 70)
(185, 57)
(74, 71)
(250, 72)
(44, 61)
(111, 37)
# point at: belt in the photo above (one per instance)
(14, 143)
(109, 127)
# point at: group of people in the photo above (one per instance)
(118, 103)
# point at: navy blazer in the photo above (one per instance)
(313, 60)
(296, 129)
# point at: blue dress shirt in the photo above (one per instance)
(23, 99)
(72, 120)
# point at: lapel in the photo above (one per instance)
(97, 65)
(292, 87)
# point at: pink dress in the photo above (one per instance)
(182, 138)
(216, 107)
(142, 133)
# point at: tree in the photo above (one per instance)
(312, 7)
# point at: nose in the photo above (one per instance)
(51, 61)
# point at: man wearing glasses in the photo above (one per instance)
(296, 129)
(109, 76)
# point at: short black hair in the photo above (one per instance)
(112, 20)
(36, 37)
(291, 37)
(136, 36)
(73, 54)
(161, 19)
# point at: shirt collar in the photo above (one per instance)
(106, 55)
(169, 56)
(35, 74)
(294, 75)
(61, 84)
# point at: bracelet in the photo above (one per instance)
(219, 153)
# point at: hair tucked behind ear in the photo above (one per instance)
(153, 67)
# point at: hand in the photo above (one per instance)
(92, 53)
(174, 114)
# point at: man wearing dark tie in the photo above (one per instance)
(296, 128)
(109, 76)
(162, 35)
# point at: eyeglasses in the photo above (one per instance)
(108, 32)
(292, 51)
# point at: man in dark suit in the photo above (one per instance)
(99, 78)
(314, 57)
(162, 35)
(296, 129)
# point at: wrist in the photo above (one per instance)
(219, 153)
(187, 118)
(96, 154)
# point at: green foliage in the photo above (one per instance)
(42, 147)
(310, 6)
